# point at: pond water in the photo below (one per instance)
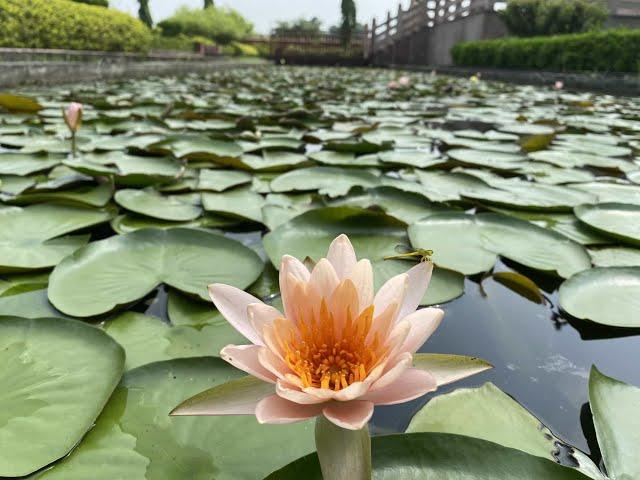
(177, 183)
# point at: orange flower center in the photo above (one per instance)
(325, 354)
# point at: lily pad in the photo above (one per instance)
(331, 181)
(614, 405)
(134, 433)
(374, 236)
(240, 202)
(618, 220)
(148, 339)
(441, 456)
(123, 269)
(48, 394)
(609, 296)
(31, 237)
(152, 204)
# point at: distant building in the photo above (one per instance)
(624, 13)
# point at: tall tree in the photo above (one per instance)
(208, 3)
(144, 13)
(349, 22)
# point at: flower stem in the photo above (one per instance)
(343, 454)
(73, 144)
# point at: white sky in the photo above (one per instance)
(265, 13)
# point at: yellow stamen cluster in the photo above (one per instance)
(326, 355)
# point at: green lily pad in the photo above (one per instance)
(148, 339)
(48, 394)
(487, 413)
(615, 257)
(22, 164)
(32, 237)
(134, 434)
(374, 236)
(344, 159)
(614, 405)
(152, 204)
(123, 269)
(241, 202)
(441, 456)
(221, 180)
(470, 243)
(609, 296)
(611, 192)
(617, 220)
(331, 181)
(493, 160)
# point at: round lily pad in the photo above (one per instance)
(617, 220)
(609, 296)
(57, 375)
(123, 269)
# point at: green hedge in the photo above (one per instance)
(69, 25)
(100, 3)
(603, 51)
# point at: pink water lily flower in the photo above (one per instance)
(338, 349)
(73, 116)
(559, 85)
(404, 81)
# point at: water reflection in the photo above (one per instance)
(540, 358)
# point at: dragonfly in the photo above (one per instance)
(407, 253)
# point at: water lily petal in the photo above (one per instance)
(419, 278)
(397, 367)
(245, 357)
(324, 278)
(296, 395)
(273, 363)
(293, 276)
(350, 415)
(412, 384)
(362, 278)
(393, 291)
(342, 256)
(423, 323)
(261, 315)
(232, 304)
(277, 410)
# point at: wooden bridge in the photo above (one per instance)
(404, 38)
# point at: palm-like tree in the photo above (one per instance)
(208, 3)
(144, 13)
(349, 22)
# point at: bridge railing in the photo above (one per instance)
(418, 15)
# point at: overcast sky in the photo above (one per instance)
(265, 13)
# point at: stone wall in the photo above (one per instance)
(30, 67)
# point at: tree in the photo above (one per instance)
(208, 3)
(144, 13)
(349, 22)
(299, 28)
(527, 18)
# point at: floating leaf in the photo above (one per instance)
(120, 270)
(49, 394)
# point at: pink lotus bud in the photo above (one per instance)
(559, 85)
(393, 85)
(73, 116)
(404, 81)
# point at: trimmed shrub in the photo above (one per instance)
(68, 25)
(603, 51)
(528, 18)
(182, 43)
(99, 3)
(224, 25)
